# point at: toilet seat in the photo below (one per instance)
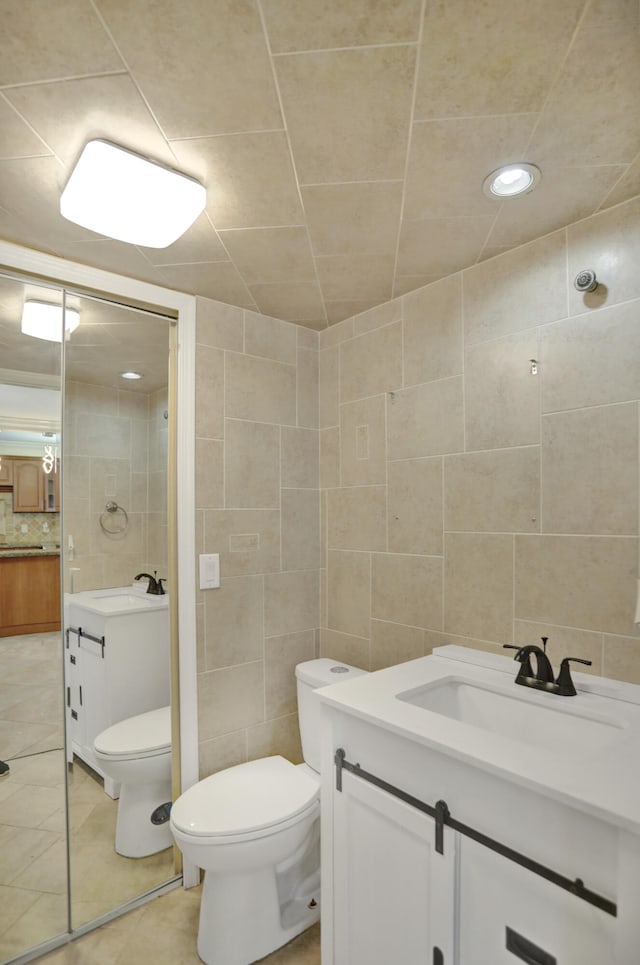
(248, 801)
(146, 735)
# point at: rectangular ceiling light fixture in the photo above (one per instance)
(44, 320)
(125, 196)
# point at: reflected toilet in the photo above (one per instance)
(137, 753)
(255, 830)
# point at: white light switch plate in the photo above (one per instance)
(209, 571)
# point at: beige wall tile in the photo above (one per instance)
(330, 458)
(590, 471)
(233, 622)
(252, 465)
(407, 590)
(414, 506)
(104, 435)
(329, 387)
(479, 586)
(371, 363)
(496, 491)
(281, 656)
(562, 642)
(357, 518)
(222, 752)
(345, 648)
(363, 442)
(434, 639)
(291, 602)
(433, 331)
(379, 82)
(377, 317)
(520, 289)
(622, 658)
(426, 420)
(209, 474)
(308, 388)
(300, 529)
(209, 392)
(502, 401)
(270, 338)
(300, 458)
(281, 736)
(587, 582)
(585, 361)
(349, 592)
(230, 699)
(248, 540)
(337, 333)
(260, 389)
(308, 339)
(392, 643)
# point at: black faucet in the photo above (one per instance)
(543, 678)
(155, 586)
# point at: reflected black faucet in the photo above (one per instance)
(543, 678)
(155, 586)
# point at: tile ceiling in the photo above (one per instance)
(343, 143)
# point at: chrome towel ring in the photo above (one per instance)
(117, 523)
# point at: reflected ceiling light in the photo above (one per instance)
(128, 197)
(511, 180)
(44, 320)
(130, 375)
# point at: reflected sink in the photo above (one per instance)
(112, 602)
(537, 719)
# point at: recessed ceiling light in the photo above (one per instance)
(130, 375)
(511, 180)
(44, 320)
(125, 196)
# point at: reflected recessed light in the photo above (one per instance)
(511, 180)
(130, 375)
(44, 320)
(128, 197)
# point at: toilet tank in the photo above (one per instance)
(309, 676)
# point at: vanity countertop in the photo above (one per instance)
(602, 779)
(7, 551)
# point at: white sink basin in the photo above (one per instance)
(119, 599)
(113, 602)
(534, 718)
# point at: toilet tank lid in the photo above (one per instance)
(325, 671)
(141, 734)
(245, 798)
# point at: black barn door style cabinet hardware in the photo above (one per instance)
(442, 816)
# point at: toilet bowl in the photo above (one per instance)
(137, 753)
(255, 831)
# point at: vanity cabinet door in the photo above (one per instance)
(393, 893)
(495, 895)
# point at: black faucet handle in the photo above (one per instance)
(564, 681)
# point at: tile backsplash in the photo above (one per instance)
(26, 529)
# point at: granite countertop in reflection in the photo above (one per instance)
(31, 549)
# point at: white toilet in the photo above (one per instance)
(255, 830)
(137, 753)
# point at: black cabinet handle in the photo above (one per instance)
(438, 957)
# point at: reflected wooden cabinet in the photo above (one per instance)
(34, 491)
(6, 471)
(29, 594)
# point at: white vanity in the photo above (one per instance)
(117, 663)
(470, 821)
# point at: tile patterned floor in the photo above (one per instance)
(33, 870)
(163, 932)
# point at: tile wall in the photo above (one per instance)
(115, 449)
(258, 506)
(466, 499)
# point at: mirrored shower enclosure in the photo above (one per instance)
(84, 461)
